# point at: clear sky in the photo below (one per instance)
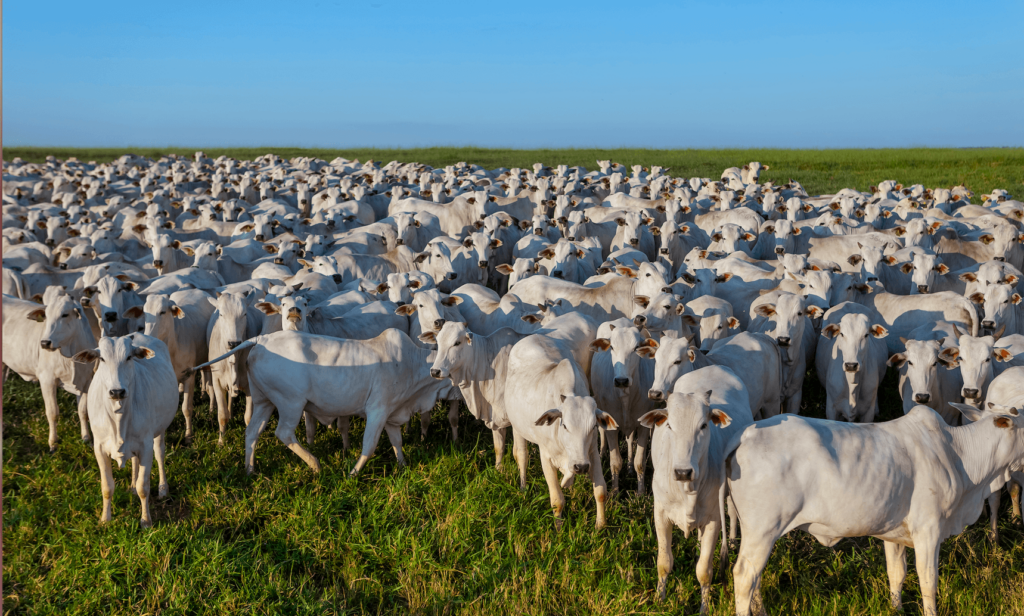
(330, 73)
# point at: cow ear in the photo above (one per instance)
(601, 344)
(38, 298)
(427, 337)
(405, 310)
(948, 357)
(641, 300)
(906, 268)
(717, 237)
(1003, 355)
(977, 298)
(504, 268)
(942, 269)
(269, 248)
(854, 259)
(452, 300)
(267, 308)
(532, 319)
(831, 331)
(765, 310)
(39, 315)
(525, 224)
(177, 312)
(134, 312)
(720, 418)
(653, 418)
(420, 258)
(797, 231)
(141, 352)
(969, 277)
(382, 287)
(815, 312)
(724, 277)
(86, 357)
(1011, 280)
(549, 417)
(606, 420)
(969, 412)
(691, 354)
(897, 360)
(1015, 298)
(899, 231)
(878, 331)
(495, 244)
(305, 263)
(987, 239)
(547, 253)
(189, 251)
(624, 270)
(620, 221)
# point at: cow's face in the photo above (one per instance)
(622, 344)
(672, 359)
(454, 348)
(108, 297)
(999, 301)
(576, 421)
(976, 359)
(687, 421)
(921, 363)
(64, 320)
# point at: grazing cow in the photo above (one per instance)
(690, 436)
(132, 399)
(38, 344)
(553, 409)
(850, 360)
(910, 482)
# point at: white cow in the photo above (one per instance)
(850, 360)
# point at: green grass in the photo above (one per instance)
(820, 171)
(449, 534)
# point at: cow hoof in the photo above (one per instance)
(53, 449)
(249, 470)
(87, 438)
(164, 492)
(146, 524)
(661, 590)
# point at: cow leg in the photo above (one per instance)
(600, 487)
(374, 426)
(262, 409)
(453, 419)
(734, 522)
(342, 425)
(630, 446)
(499, 446)
(554, 489)
(135, 475)
(287, 422)
(708, 539)
(49, 387)
(187, 404)
(831, 412)
(663, 528)
(221, 396)
(604, 442)
(83, 417)
(248, 409)
(424, 425)
(144, 462)
(106, 482)
(159, 452)
(1015, 499)
(307, 418)
(793, 402)
(753, 556)
(521, 451)
(993, 515)
(614, 455)
(896, 566)
(395, 436)
(926, 556)
(640, 461)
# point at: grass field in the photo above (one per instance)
(449, 534)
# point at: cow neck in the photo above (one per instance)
(83, 339)
(482, 378)
(978, 446)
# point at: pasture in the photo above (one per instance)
(449, 534)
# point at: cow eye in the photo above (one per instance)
(703, 425)
(678, 361)
(457, 343)
(163, 312)
(910, 363)
(648, 275)
(988, 359)
(64, 316)
(129, 358)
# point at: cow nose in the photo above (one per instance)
(655, 394)
(212, 217)
(336, 278)
(63, 266)
(1002, 259)
(158, 263)
(784, 341)
(46, 344)
(482, 264)
(873, 279)
(558, 274)
(684, 474)
(663, 251)
(233, 343)
(451, 276)
(579, 469)
(621, 382)
(50, 242)
(922, 288)
(639, 320)
(988, 324)
(434, 372)
(400, 242)
(571, 238)
(438, 324)
(780, 251)
(634, 242)
(968, 393)
(851, 366)
(259, 238)
(117, 394)
(110, 316)
(278, 261)
(922, 398)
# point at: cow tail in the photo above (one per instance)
(248, 344)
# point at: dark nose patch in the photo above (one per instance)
(635, 241)
(970, 393)
(110, 317)
(922, 288)
(851, 366)
(684, 474)
(922, 398)
(579, 469)
(621, 382)
(434, 372)
(117, 394)
(639, 320)
(780, 251)
(336, 278)
(233, 343)
(46, 344)
(784, 341)
(655, 394)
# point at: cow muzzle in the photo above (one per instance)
(851, 366)
(784, 341)
(158, 263)
(233, 343)
(922, 288)
(278, 261)
(110, 317)
(621, 382)
(118, 394)
(684, 474)
(538, 231)
(655, 394)
(46, 345)
(988, 325)
(581, 469)
(780, 251)
(634, 242)
(336, 278)
(400, 242)
(558, 274)
(435, 373)
(451, 276)
(63, 266)
(922, 398)
(482, 264)
(1000, 259)
(639, 321)
(970, 394)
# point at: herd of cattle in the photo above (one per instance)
(570, 306)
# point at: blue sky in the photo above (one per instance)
(328, 73)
